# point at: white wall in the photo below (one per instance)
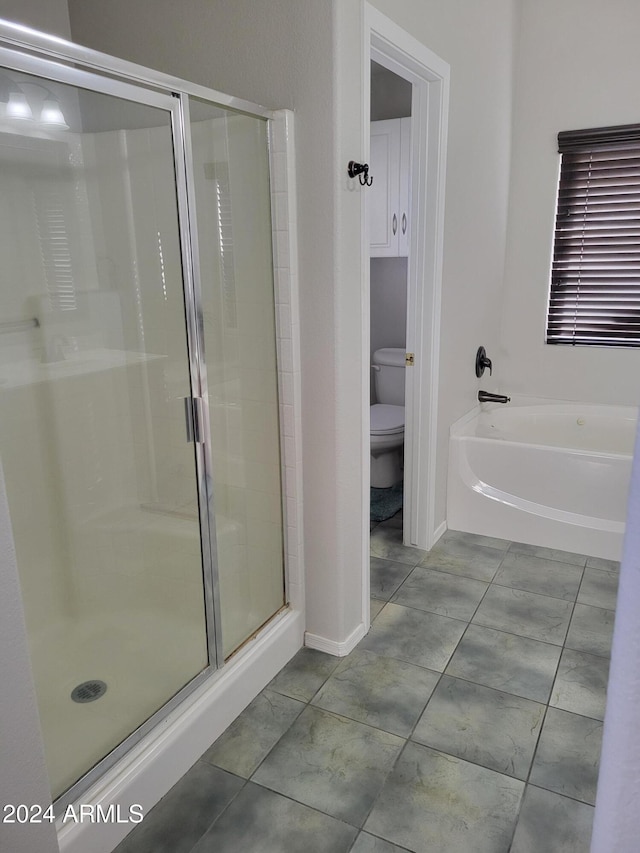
(578, 65)
(390, 94)
(617, 818)
(388, 304)
(50, 16)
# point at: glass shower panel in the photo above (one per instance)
(102, 484)
(231, 173)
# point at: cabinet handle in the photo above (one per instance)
(404, 223)
(395, 224)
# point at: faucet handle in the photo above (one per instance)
(482, 362)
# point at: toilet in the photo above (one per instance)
(387, 417)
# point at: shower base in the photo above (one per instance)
(142, 662)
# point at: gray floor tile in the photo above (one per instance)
(366, 843)
(330, 763)
(527, 614)
(591, 630)
(548, 553)
(603, 565)
(564, 824)
(581, 684)
(376, 607)
(568, 755)
(463, 558)
(305, 674)
(599, 589)
(425, 639)
(380, 691)
(440, 592)
(476, 539)
(535, 574)
(386, 577)
(485, 726)
(386, 542)
(242, 747)
(181, 817)
(505, 662)
(261, 821)
(433, 803)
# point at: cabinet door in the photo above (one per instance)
(384, 194)
(404, 178)
(390, 194)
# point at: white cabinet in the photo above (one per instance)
(389, 195)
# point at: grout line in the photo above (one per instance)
(304, 805)
(216, 819)
(542, 594)
(566, 796)
(374, 802)
(379, 837)
(538, 557)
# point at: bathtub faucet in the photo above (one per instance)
(487, 397)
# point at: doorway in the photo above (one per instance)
(389, 201)
(396, 52)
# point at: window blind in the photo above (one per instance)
(595, 276)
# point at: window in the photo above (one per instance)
(595, 275)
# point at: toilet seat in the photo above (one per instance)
(387, 419)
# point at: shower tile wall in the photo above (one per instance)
(284, 214)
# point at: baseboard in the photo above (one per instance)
(333, 647)
(440, 530)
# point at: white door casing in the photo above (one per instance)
(389, 45)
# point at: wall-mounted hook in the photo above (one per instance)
(361, 170)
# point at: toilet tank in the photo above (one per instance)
(389, 375)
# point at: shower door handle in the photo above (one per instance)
(193, 419)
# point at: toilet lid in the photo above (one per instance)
(386, 419)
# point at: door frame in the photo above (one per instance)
(391, 46)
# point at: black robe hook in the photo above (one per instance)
(361, 170)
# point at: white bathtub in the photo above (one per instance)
(551, 474)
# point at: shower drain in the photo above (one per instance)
(88, 691)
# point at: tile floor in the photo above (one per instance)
(469, 719)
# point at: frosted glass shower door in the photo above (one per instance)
(232, 200)
(105, 491)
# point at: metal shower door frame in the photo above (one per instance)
(175, 102)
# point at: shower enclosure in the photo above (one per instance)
(139, 433)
